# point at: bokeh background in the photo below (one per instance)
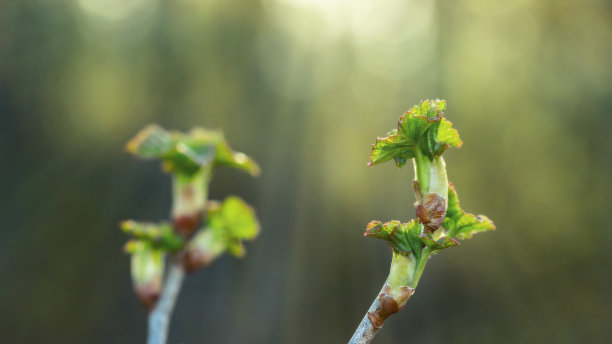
(305, 87)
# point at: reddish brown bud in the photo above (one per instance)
(431, 211)
(422, 214)
(147, 295)
(186, 224)
(389, 305)
(195, 259)
(147, 269)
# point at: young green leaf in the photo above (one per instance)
(187, 159)
(226, 157)
(442, 243)
(403, 237)
(422, 128)
(406, 238)
(158, 236)
(151, 142)
(461, 224)
(200, 139)
(236, 220)
(187, 153)
(227, 225)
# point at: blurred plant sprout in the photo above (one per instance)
(423, 134)
(200, 230)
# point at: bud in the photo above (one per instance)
(203, 249)
(389, 302)
(147, 272)
(190, 195)
(431, 211)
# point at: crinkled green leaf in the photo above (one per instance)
(442, 243)
(158, 236)
(151, 142)
(421, 128)
(226, 157)
(236, 217)
(186, 153)
(239, 218)
(408, 237)
(187, 158)
(403, 237)
(233, 221)
(447, 136)
(460, 224)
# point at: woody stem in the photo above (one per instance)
(403, 278)
(365, 332)
(189, 201)
(159, 319)
(405, 270)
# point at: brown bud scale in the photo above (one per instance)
(186, 224)
(147, 295)
(431, 211)
(388, 305)
(194, 260)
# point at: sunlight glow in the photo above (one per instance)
(114, 10)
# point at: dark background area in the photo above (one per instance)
(305, 87)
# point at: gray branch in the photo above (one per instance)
(159, 319)
(365, 332)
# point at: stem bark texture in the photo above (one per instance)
(159, 319)
(365, 331)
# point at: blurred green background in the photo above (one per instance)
(305, 87)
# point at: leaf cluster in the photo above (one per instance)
(187, 153)
(422, 129)
(158, 236)
(228, 224)
(406, 238)
(231, 222)
(410, 237)
(191, 158)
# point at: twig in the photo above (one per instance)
(159, 319)
(365, 332)
(396, 291)
(194, 243)
(423, 134)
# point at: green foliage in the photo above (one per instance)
(424, 134)
(232, 221)
(461, 224)
(421, 129)
(411, 237)
(408, 238)
(227, 225)
(187, 153)
(191, 158)
(159, 236)
(439, 244)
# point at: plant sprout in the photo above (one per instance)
(199, 231)
(423, 135)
